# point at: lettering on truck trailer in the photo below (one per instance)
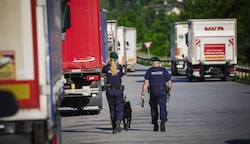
(214, 28)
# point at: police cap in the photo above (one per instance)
(155, 59)
(113, 55)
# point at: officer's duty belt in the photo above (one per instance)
(113, 86)
(157, 88)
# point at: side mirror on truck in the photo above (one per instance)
(65, 16)
(186, 37)
(8, 104)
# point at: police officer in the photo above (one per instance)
(158, 81)
(114, 91)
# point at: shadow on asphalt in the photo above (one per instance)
(103, 130)
(130, 129)
(238, 141)
(89, 131)
(65, 113)
(247, 92)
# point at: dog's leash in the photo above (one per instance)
(141, 103)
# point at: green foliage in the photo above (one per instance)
(152, 23)
(225, 9)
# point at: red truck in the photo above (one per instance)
(82, 55)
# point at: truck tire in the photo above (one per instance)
(189, 73)
(202, 79)
(173, 69)
(202, 74)
(40, 133)
(227, 78)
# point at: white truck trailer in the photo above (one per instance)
(131, 48)
(212, 48)
(30, 70)
(112, 35)
(178, 47)
(121, 47)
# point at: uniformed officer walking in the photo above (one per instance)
(158, 82)
(114, 91)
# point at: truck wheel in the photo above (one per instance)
(103, 88)
(173, 69)
(189, 73)
(202, 79)
(224, 79)
(96, 112)
(79, 109)
(228, 78)
(190, 78)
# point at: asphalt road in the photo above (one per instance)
(210, 112)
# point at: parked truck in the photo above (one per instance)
(104, 43)
(82, 56)
(112, 35)
(178, 48)
(103, 34)
(30, 70)
(212, 48)
(121, 47)
(131, 48)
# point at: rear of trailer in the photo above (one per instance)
(82, 56)
(178, 47)
(30, 59)
(212, 48)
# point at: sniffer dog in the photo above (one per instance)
(127, 115)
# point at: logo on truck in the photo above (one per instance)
(214, 28)
(7, 65)
(86, 59)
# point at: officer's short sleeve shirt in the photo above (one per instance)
(115, 80)
(157, 76)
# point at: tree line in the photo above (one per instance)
(152, 23)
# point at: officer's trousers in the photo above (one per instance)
(158, 97)
(116, 106)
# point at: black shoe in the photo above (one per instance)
(125, 126)
(114, 131)
(156, 127)
(163, 127)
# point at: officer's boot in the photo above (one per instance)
(156, 127)
(163, 126)
(114, 127)
(118, 125)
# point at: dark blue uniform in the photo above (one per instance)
(157, 77)
(114, 94)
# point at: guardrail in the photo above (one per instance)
(146, 61)
(241, 71)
